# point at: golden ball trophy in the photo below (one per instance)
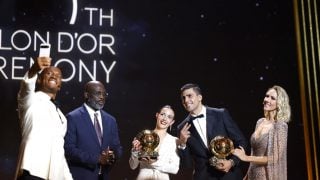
(149, 141)
(221, 147)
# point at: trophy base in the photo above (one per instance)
(151, 155)
(214, 161)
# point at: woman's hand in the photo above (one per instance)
(240, 153)
(136, 146)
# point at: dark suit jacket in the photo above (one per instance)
(82, 148)
(196, 154)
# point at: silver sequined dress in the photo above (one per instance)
(273, 145)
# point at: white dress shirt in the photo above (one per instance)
(201, 126)
(91, 114)
(43, 128)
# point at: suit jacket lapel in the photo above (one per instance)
(87, 120)
(196, 134)
(211, 119)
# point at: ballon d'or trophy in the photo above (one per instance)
(221, 147)
(149, 141)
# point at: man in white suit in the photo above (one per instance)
(43, 126)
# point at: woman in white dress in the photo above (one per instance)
(168, 159)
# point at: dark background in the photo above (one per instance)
(233, 49)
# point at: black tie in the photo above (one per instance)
(195, 117)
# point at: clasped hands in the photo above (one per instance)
(107, 157)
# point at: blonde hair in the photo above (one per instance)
(283, 106)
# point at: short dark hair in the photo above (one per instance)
(195, 87)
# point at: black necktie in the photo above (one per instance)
(195, 117)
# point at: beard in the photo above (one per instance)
(95, 104)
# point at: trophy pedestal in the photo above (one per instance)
(214, 161)
(148, 155)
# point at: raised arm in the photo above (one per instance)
(28, 84)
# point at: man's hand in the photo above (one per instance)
(40, 64)
(184, 134)
(44, 62)
(224, 165)
(103, 158)
(107, 157)
(111, 157)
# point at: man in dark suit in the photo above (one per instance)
(92, 143)
(198, 129)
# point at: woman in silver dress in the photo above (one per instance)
(268, 159)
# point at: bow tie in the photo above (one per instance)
(195, 117)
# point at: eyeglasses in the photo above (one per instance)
(99, 94)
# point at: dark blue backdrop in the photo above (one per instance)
(233, 49)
